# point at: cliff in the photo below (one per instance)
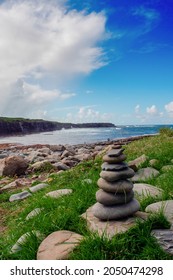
(11, 126)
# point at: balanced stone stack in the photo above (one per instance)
(115, 198)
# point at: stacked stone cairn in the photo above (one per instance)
(115, 198)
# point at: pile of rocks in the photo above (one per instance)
(115, 198)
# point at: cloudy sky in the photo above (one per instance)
(87, 61)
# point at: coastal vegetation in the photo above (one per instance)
(65, 212)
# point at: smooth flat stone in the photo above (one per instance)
(115, 152)
(115, 212)
(113, 167)
(119, 186)
(34, 213)
(59, 193)
(107, 199)
(138, 161)
(146, 190)
(144, 174)
(118, 159)
(23, 239)
(165, 206)
(109, 228)
(164, 238)
(38, 187)
(58, 245)
(111, 176)
(19, 196)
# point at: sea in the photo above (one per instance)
(84, 135)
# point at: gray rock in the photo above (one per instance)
(13, 165)
(34, 213)
(115, 152)
(38, 187)
(19, 196)
(138, 161)
(113, 167)
(144, 174)
(61, 166)
(59, 193)
(113, 198)
(23, 239)
(111, 176)
(146, 189)
(118, 159)
(115, 212)
(165, 206)
(165, 239)
(119, 186)
(58, 245)
(45, 150)
(40, 165)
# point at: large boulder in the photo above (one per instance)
(13, 165)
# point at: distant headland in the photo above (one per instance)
(16, 126)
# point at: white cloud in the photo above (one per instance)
(152, 110)
(169, 108)
(137, 109)
(90, 115)
(42, 39)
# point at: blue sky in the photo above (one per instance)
(87, 61)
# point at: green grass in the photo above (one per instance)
(65, 212)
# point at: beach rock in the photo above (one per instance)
(34, 213)
(144, 174)
(41, 165)
(146, 190)
(82, 157)
(107, 199)
(113, 167)
(13, 165)
(38, 187)
(165, 206)
(58, 245)
(115, 212)
(59, 193)
(119, 186)
(23, 239)
(138, 161)
(118, 159)
(115, 152)
(111, 176)
(44, 150)
(112, 227)
(164, 238)
(61, 166)
(19, 196)
(57, 148)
